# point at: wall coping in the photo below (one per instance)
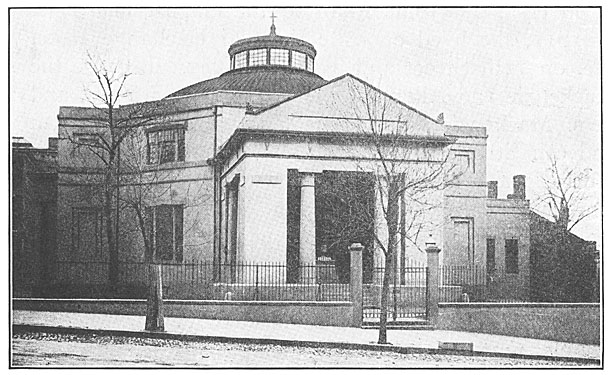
(480, 305)
(189, 302)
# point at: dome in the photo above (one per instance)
(260, 79)
(268, 64)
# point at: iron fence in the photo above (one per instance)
(476, 283)
(407, 298)
(202, 281)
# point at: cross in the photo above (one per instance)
(273, 17)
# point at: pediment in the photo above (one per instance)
(346, 104)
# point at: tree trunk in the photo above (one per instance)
(155, 302)
(384, 298)
(392, 223)
(113, 256)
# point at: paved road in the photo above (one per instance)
(59, 350)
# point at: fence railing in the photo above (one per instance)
(407, 296)
(279, 282)
(476, 283)
(202, 280)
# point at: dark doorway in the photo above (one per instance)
(345, 214)
(344, 205)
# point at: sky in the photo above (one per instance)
(532, 77)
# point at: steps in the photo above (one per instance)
(404, 325)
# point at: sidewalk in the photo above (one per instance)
(412, 340)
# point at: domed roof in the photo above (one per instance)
(269, 64)
(269, 79)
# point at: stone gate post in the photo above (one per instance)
(433, 281)
(356, 250)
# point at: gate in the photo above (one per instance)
(407, 300)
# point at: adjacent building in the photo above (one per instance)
(34, 209)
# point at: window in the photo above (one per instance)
(257, 57)
(166, 146)
(463, 241)
(512, 256)
(279, 56)
(310, 64)
(165, 224)
(88, 139)
(298, 60)
(87, 230)
(240, 60)
(490, 255)
(464, 159)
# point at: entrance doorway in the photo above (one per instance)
(344, 214)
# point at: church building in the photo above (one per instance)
(271, 163)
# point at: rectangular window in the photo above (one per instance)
(87, 230)
(464, 159)
(166, 146)
(298, 60)
(490, 255)
(257, 57)
(310, 64)
(279, 56)
(512, 256)
(86, 139)
(240, 60)
(463, 241)
(166, 231)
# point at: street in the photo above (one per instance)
(32, 349)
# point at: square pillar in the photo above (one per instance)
(356, 250)
(433, 278)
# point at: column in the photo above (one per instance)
(308, 228)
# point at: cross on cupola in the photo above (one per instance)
(273, 27)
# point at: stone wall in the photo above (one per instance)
(314, 313)
(570, 322)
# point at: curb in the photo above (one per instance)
(21, 328)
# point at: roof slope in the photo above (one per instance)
(257, 79)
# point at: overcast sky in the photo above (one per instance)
(531, 76)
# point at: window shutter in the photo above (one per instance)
(178, 233)
(512, 256)
(181, 145)
(164, 232)
(149, 227)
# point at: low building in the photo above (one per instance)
(34, 206)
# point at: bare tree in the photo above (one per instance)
(102, 146)
(568, 201)
(144, 184)
(407, 165)
(566, 194)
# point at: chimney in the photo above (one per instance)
(53, 141)
(519, 186)
(492, 189)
